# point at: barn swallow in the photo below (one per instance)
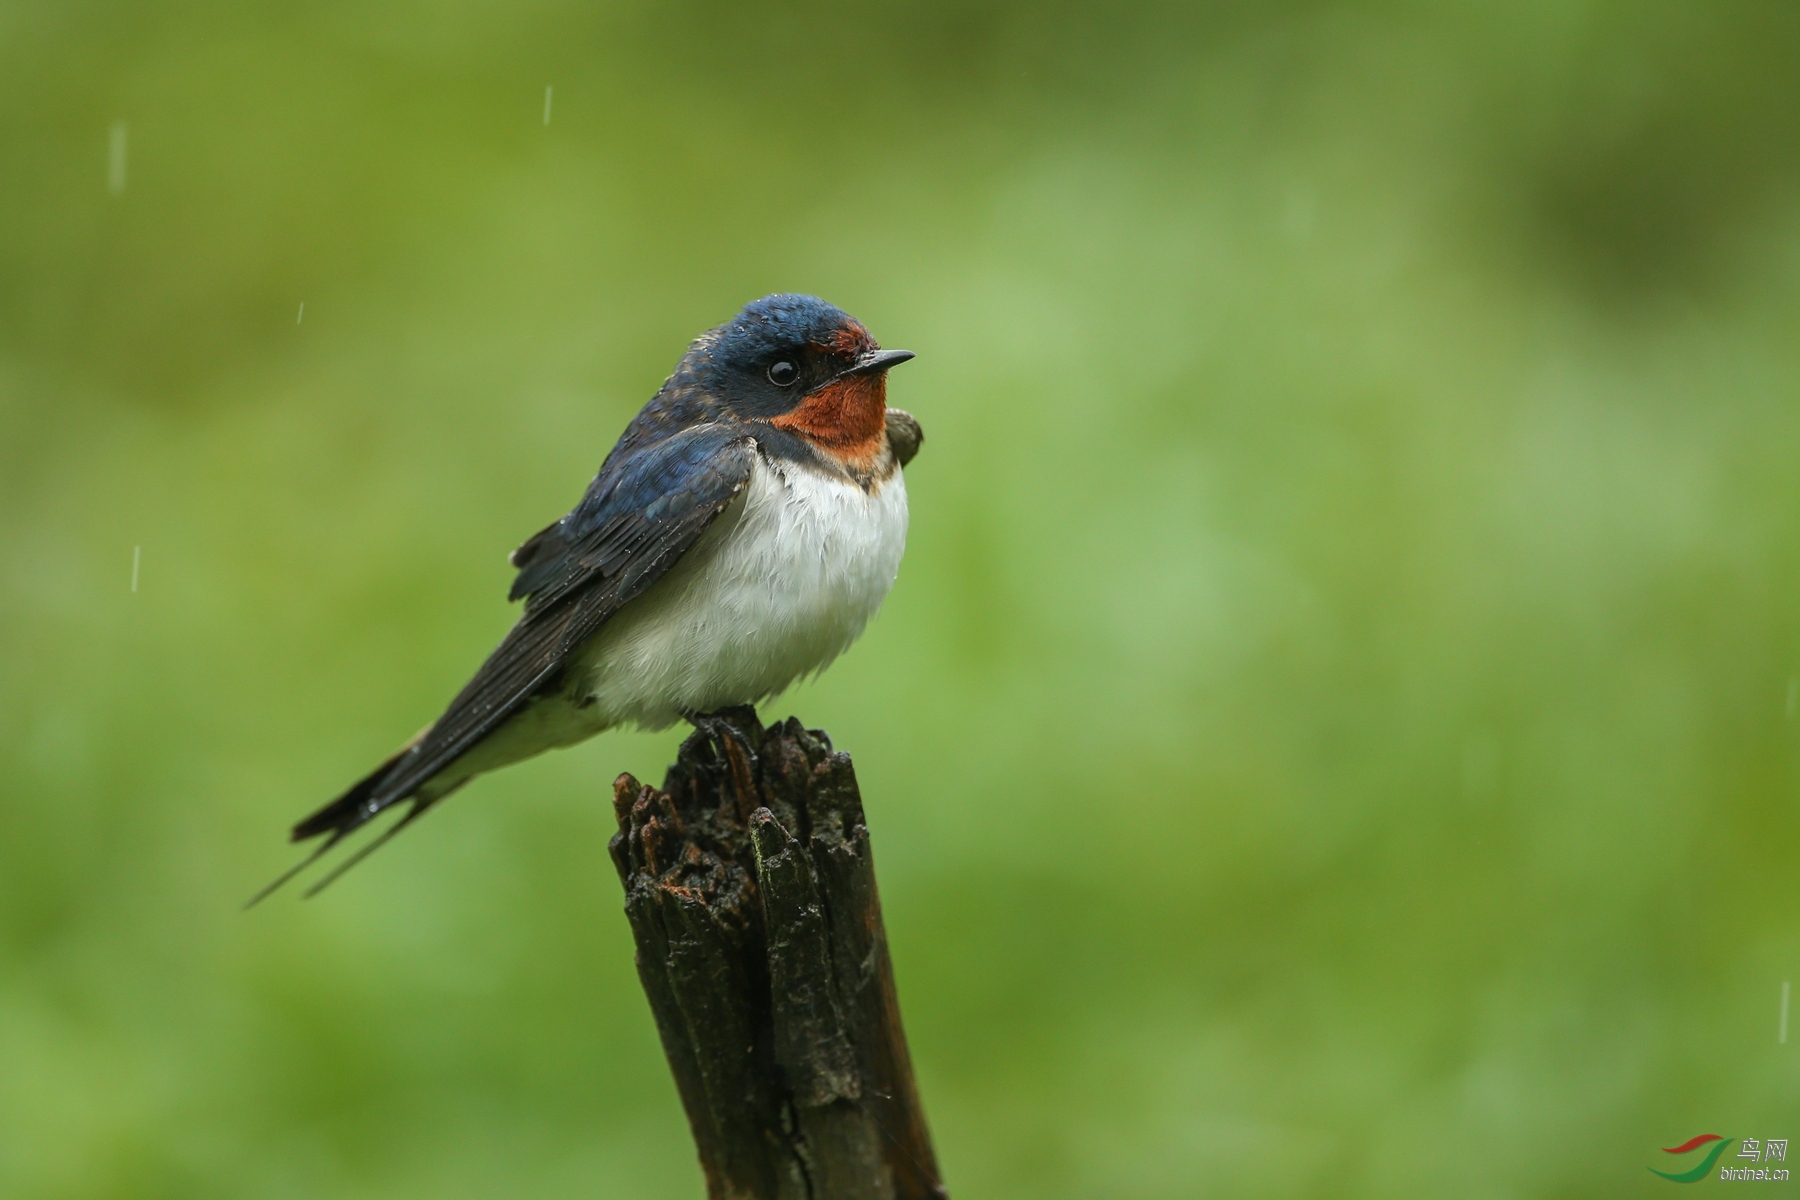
(740, 535)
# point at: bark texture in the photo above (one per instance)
(750, 889)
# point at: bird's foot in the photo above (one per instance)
(735, 750)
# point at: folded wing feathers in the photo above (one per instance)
(574, 586)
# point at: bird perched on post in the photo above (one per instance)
(742, 532)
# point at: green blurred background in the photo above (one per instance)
(1335, 732)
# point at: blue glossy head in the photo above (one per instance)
(780, 349)
(786, 323)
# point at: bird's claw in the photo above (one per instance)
(735, 751)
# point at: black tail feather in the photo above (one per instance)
(336, 821)
(274, 885)
(418, 809)
(353, 809)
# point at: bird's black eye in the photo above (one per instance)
(783, 373)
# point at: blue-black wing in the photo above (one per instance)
(648, 506)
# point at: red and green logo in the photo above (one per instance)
(1698, 1172)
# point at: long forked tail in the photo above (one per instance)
(336, 821)
(356, 807)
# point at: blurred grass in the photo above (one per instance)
(1333, 730)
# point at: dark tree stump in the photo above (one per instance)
(750, 889)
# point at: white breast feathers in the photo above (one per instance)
(781, 584)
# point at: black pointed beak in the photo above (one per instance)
(877, 361)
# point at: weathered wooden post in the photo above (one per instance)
(750, 889)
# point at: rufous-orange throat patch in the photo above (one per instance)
(847, 417)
